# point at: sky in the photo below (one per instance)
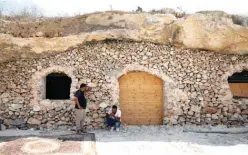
(73, 7)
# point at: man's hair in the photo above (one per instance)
(83, 85)
(114, 107)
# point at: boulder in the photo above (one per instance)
(235, 117)
(5, 100)
(243, 106)
(3, 127)
(92, 85)
(7, 122)
(46, 102)
(16, 106)
(17, 122)
(244, 112)
(39, 34)
(34, 121)
(210, 110)
(88, 120)
(214, 116)
(49, 126)
(103, 105)
(99, 120)
(95, 106)
(173, 121)
(208, 31)
(98, 94)
(95, 115)
(62, 123)
(4, 95)
(36, 108)
(102, 115)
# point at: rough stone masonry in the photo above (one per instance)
(196, 89)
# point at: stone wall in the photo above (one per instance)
(195, 84)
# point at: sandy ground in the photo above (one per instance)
(162, 140)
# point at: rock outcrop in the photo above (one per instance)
(216, 32)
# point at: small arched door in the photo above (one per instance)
(141, 99)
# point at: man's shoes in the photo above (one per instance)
(117, 129)
(112, 129)
(78, 131)
(83, 131)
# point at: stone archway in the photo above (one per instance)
(226, 91)
(38, 84)
(173, 97)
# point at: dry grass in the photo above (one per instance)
(27, 26)
(179, 13)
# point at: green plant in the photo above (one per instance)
(240, 20)
(139, 9)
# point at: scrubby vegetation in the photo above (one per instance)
(240, 20)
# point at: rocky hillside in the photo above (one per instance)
(212, 31)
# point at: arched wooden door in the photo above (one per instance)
(141, 99)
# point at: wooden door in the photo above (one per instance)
(141, 99)
(239, 89)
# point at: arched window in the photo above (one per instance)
(239, 84)
(58, 86)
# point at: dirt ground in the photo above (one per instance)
(161, 141)
(46, 143)
(44, 146)
(134, 140)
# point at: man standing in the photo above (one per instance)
(113, 118)
(81, 104)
